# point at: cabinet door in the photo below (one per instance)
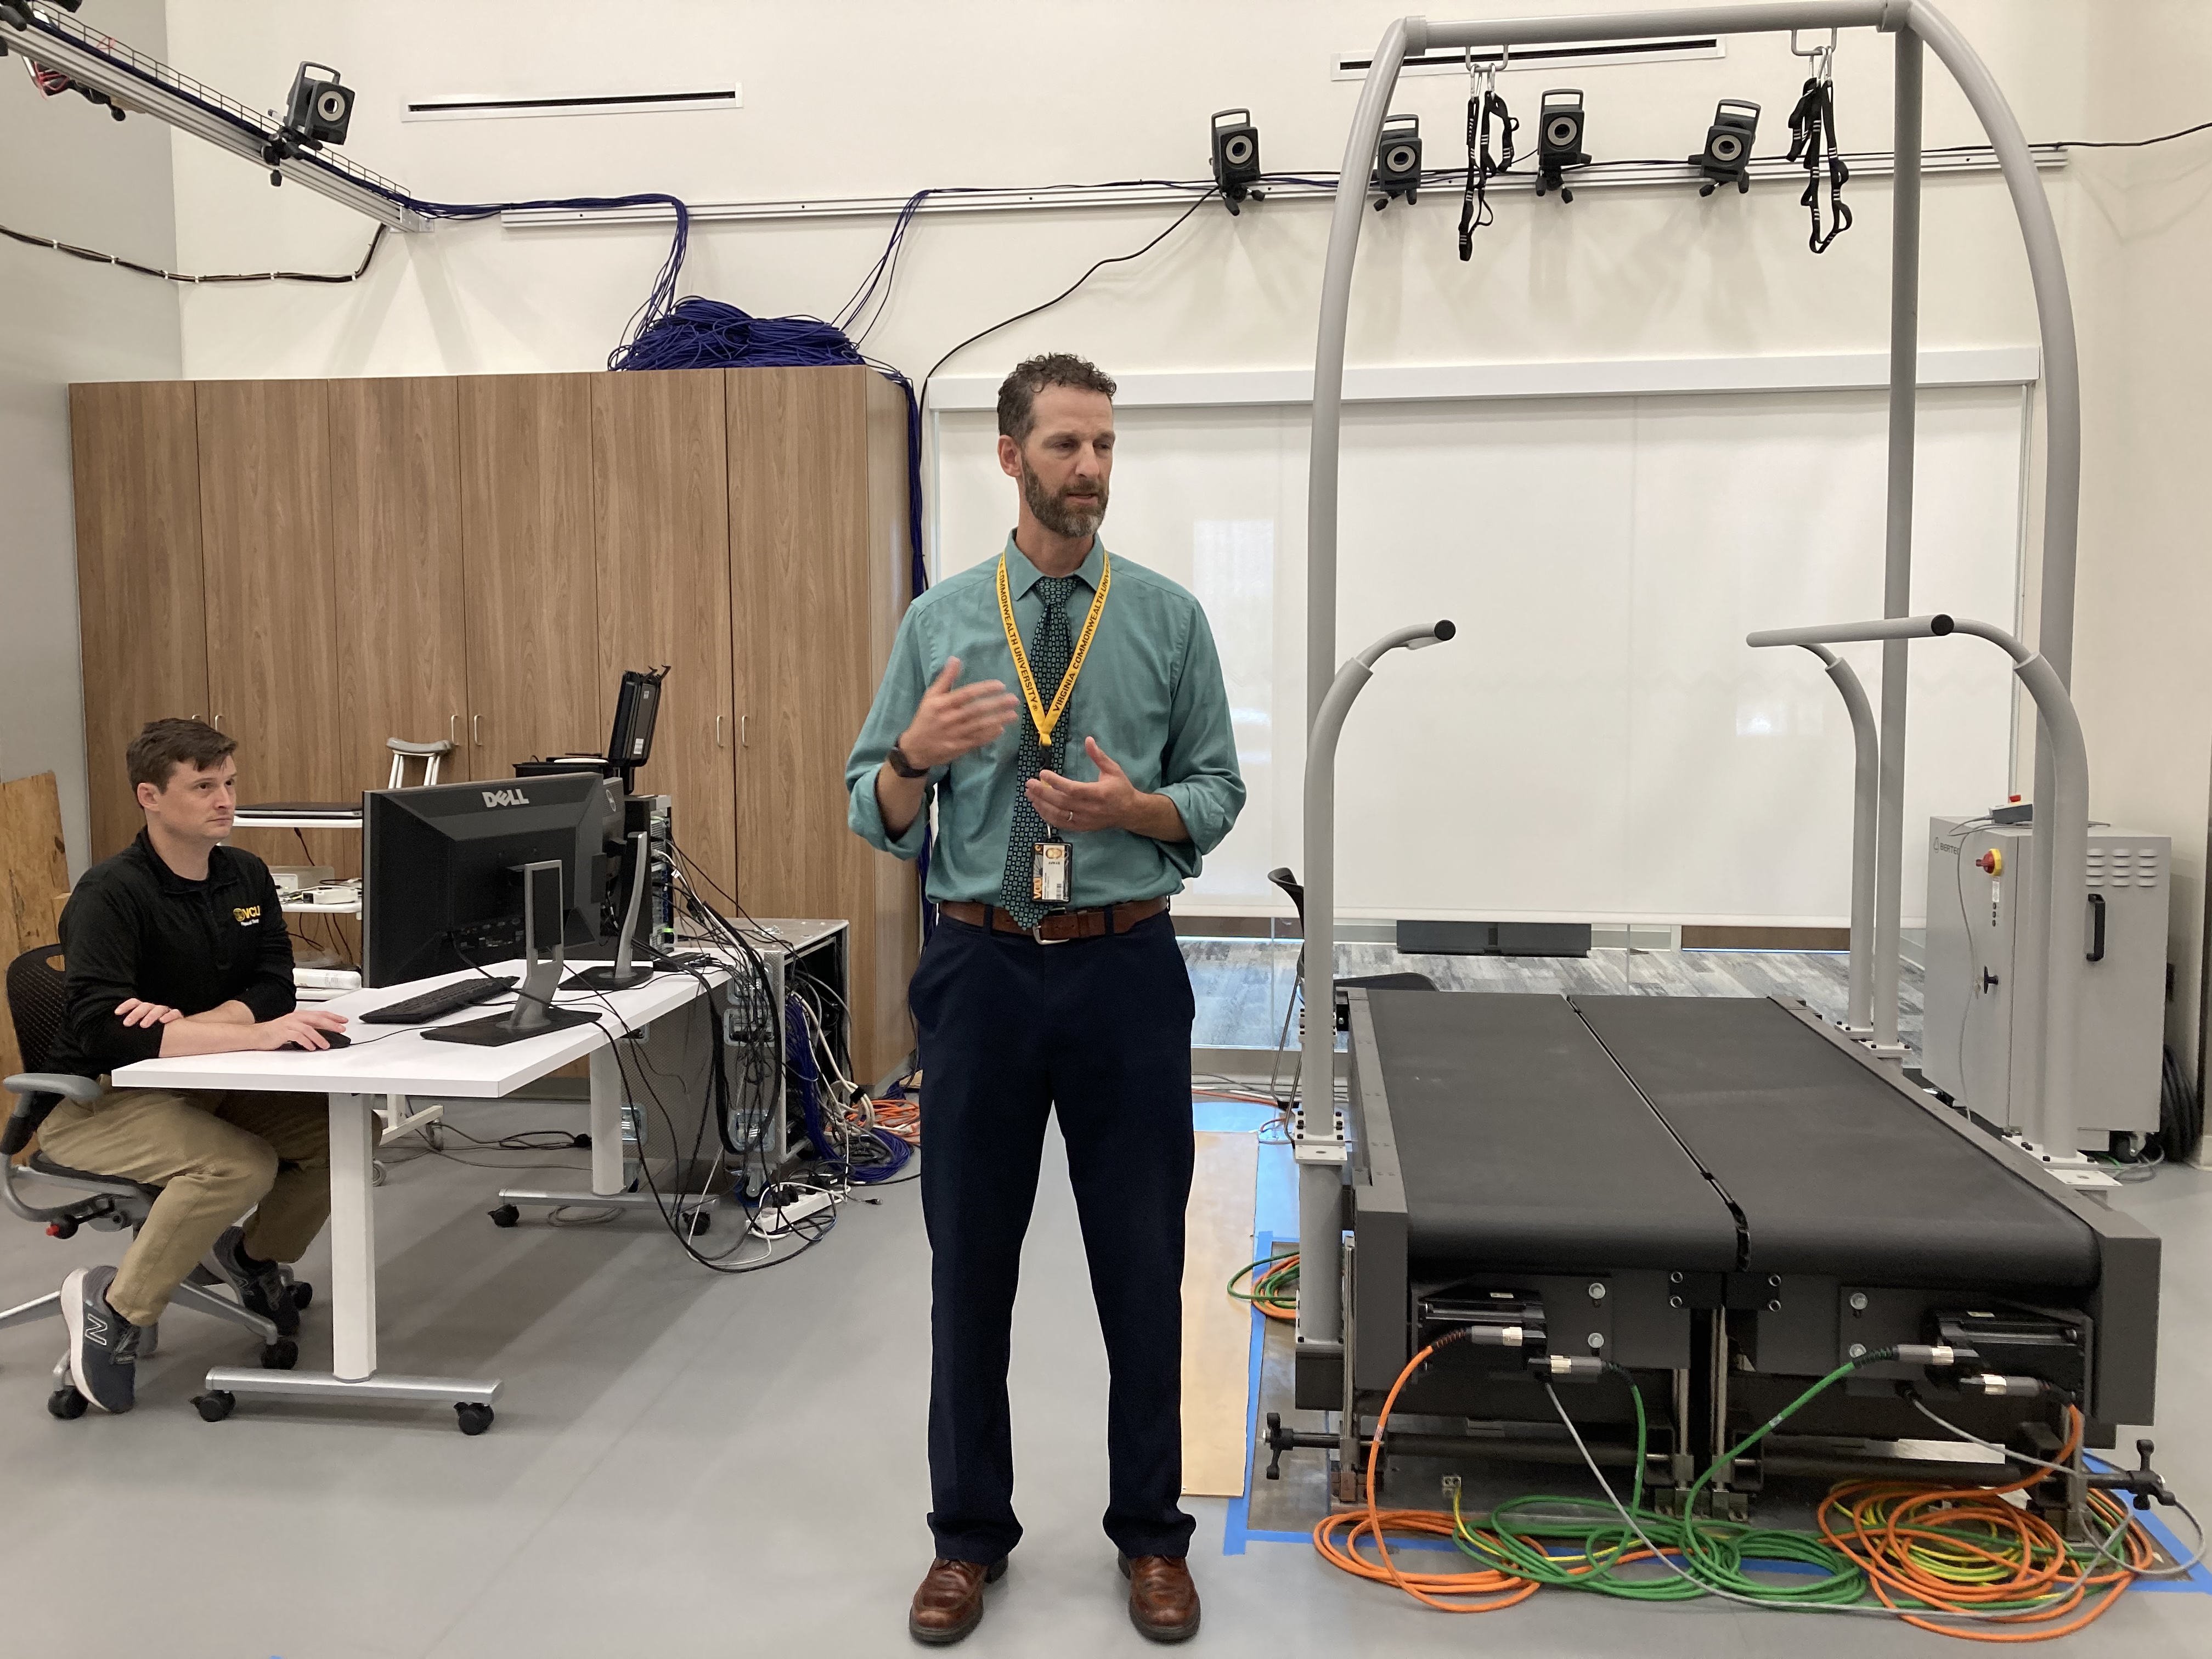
(135, 459)
(526, 553)
(661, 484)
(271, 587)
(396, 526)
(817, 534)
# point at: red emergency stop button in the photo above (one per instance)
(1991, 862)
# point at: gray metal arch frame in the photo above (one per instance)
(1913, 23)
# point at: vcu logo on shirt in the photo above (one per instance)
(246, 915)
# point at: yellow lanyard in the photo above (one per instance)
(1046, 718)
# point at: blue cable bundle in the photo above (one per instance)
(798, 1053)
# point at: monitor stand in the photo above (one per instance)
(534, 1013)
(625, 974)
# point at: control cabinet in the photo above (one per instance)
(1978, 1040)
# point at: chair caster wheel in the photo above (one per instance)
(474, 1419)
(302, 1293)
(376, 1172)
(505, 1216)
(282, 1355)
(214, 1405)
(66, 1402)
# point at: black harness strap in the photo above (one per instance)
(1812, 141)
(1474, 210)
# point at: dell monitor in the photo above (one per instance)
(463, 872)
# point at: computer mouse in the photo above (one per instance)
(335, 1039)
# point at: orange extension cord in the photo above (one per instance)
(1903, 1537)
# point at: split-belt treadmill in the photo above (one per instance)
(1728, 1198)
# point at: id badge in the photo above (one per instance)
(1049, 872)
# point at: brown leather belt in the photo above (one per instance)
(1060, 926)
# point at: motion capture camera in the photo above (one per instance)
(1398, 160)
(1236, 157)
(1559, 139)
(321, 110)
(1725, 158)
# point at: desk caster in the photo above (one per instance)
(697, 1223)
(302, 1293)
(66, 1402)
(376, 1172)
(505, 1216)
(474, 1419)
(282, 1355)
(214, 1405)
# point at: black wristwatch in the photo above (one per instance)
(902, 766)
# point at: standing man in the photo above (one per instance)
(176, 945)
(1065, 816)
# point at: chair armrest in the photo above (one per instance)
(34, 1092)
(69, 1086)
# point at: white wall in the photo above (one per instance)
(2143, 670)
(878, 97)
(76, 174)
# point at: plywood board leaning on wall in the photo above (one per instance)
(33, 878)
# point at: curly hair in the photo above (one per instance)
(1017, 392)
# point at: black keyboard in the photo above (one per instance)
(445, 999)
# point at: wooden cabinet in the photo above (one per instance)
(328, 564)
(817, 538)
(271, 585)
(395, 529)
(659, 486)
(527, 553)
(135, 460)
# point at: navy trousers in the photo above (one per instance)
(1011, 1030)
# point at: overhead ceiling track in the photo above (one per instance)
(1599, 174)
(136, 82)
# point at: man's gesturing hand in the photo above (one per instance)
(950, 722)
(1109, 803)
(135, 1013)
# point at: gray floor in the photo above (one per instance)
(713, 1466)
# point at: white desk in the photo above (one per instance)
(386, 1060)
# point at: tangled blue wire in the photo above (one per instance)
(799, 1052)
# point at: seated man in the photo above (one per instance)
(176, 945)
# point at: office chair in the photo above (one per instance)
(1294, 889)
(112, 1202)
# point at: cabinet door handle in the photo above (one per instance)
(718, 731)
(743, 741)
(216, 722)
(476, 727)
(454, 730)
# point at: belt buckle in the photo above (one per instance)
(1037, 932)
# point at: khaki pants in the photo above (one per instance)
(214, 1156)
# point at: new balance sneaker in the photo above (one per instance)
(260, 1289)
(103, 1346)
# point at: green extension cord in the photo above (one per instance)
(1712, 1553)
(1276, 1287)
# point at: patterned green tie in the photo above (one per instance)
(1049, 654)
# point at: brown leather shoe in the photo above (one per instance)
(1162, 1601)
(950, 1602)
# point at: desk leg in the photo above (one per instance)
(353, 1237)
(606, 1121)
(356, 1125)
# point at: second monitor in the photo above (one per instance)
(463, 872)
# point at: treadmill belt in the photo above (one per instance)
(1520, 1142)
(1835, 1171)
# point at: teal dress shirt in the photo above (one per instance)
(1150, 693)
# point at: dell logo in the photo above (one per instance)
(505, 798)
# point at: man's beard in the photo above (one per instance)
(1057, 513)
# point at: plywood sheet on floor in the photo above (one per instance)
(33, 877)
(1217, 1330)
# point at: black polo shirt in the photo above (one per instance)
(136, 928)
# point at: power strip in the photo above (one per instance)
(786, 1216)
